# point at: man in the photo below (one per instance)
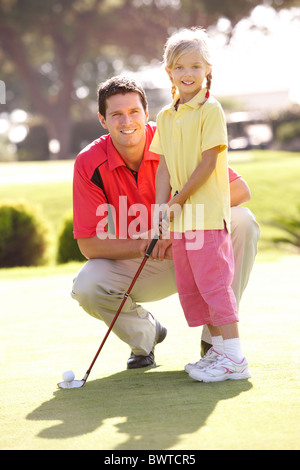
(113, 198)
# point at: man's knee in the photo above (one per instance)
(244, 225)
(87, 283)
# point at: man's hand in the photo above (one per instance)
(162, 249)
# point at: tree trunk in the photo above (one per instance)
(55, 110)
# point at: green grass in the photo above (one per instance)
(44, 332)
(45, 184)
(54, 199)
(273, 178)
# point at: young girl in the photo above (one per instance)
(191, 139)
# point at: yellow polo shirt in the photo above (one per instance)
(181, 136)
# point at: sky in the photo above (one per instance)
(254, 61)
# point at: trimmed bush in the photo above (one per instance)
(67, 246)
(24, 235)
(288, 130)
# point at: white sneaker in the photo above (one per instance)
(222, 369)
(209, 358)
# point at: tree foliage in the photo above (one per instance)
(49, 48)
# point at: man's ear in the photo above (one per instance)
(102, 121)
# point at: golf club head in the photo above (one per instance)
(68, 385)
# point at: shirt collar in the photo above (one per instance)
(114, 158)
(195, 102)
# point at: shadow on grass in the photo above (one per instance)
(151, 409)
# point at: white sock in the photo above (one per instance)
(217, 344)
(233, 349)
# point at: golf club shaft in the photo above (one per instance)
(147, 254)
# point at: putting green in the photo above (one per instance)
(44, 332)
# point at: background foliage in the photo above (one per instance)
(53, 53)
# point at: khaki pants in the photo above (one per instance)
(101, 283)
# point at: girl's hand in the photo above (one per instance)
(160, 218)
(175, 206)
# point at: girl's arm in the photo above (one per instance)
(162, 182)
(162, 191)
(199, 176)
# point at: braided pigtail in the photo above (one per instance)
(173, 90)
(208, 84)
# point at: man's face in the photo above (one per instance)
(125, 120)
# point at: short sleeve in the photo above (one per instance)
(155, 145)
(86, 199)
(214, 130)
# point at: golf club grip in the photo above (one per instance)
(154, 240)
(151, 246)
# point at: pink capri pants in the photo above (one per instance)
(204, 276)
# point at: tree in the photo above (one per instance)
(49, 44)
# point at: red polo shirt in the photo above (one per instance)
(101, 178)
(103, 185)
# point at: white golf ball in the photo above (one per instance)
(68, 376)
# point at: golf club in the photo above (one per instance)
(80, 383)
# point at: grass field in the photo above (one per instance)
(273, 178)
(44, 332)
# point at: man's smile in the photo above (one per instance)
(128, 131)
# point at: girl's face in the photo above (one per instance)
(188, 74)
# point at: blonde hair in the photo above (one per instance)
(183, 42)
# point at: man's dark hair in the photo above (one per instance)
(119, 85)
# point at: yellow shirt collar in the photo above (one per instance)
(195, 102)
